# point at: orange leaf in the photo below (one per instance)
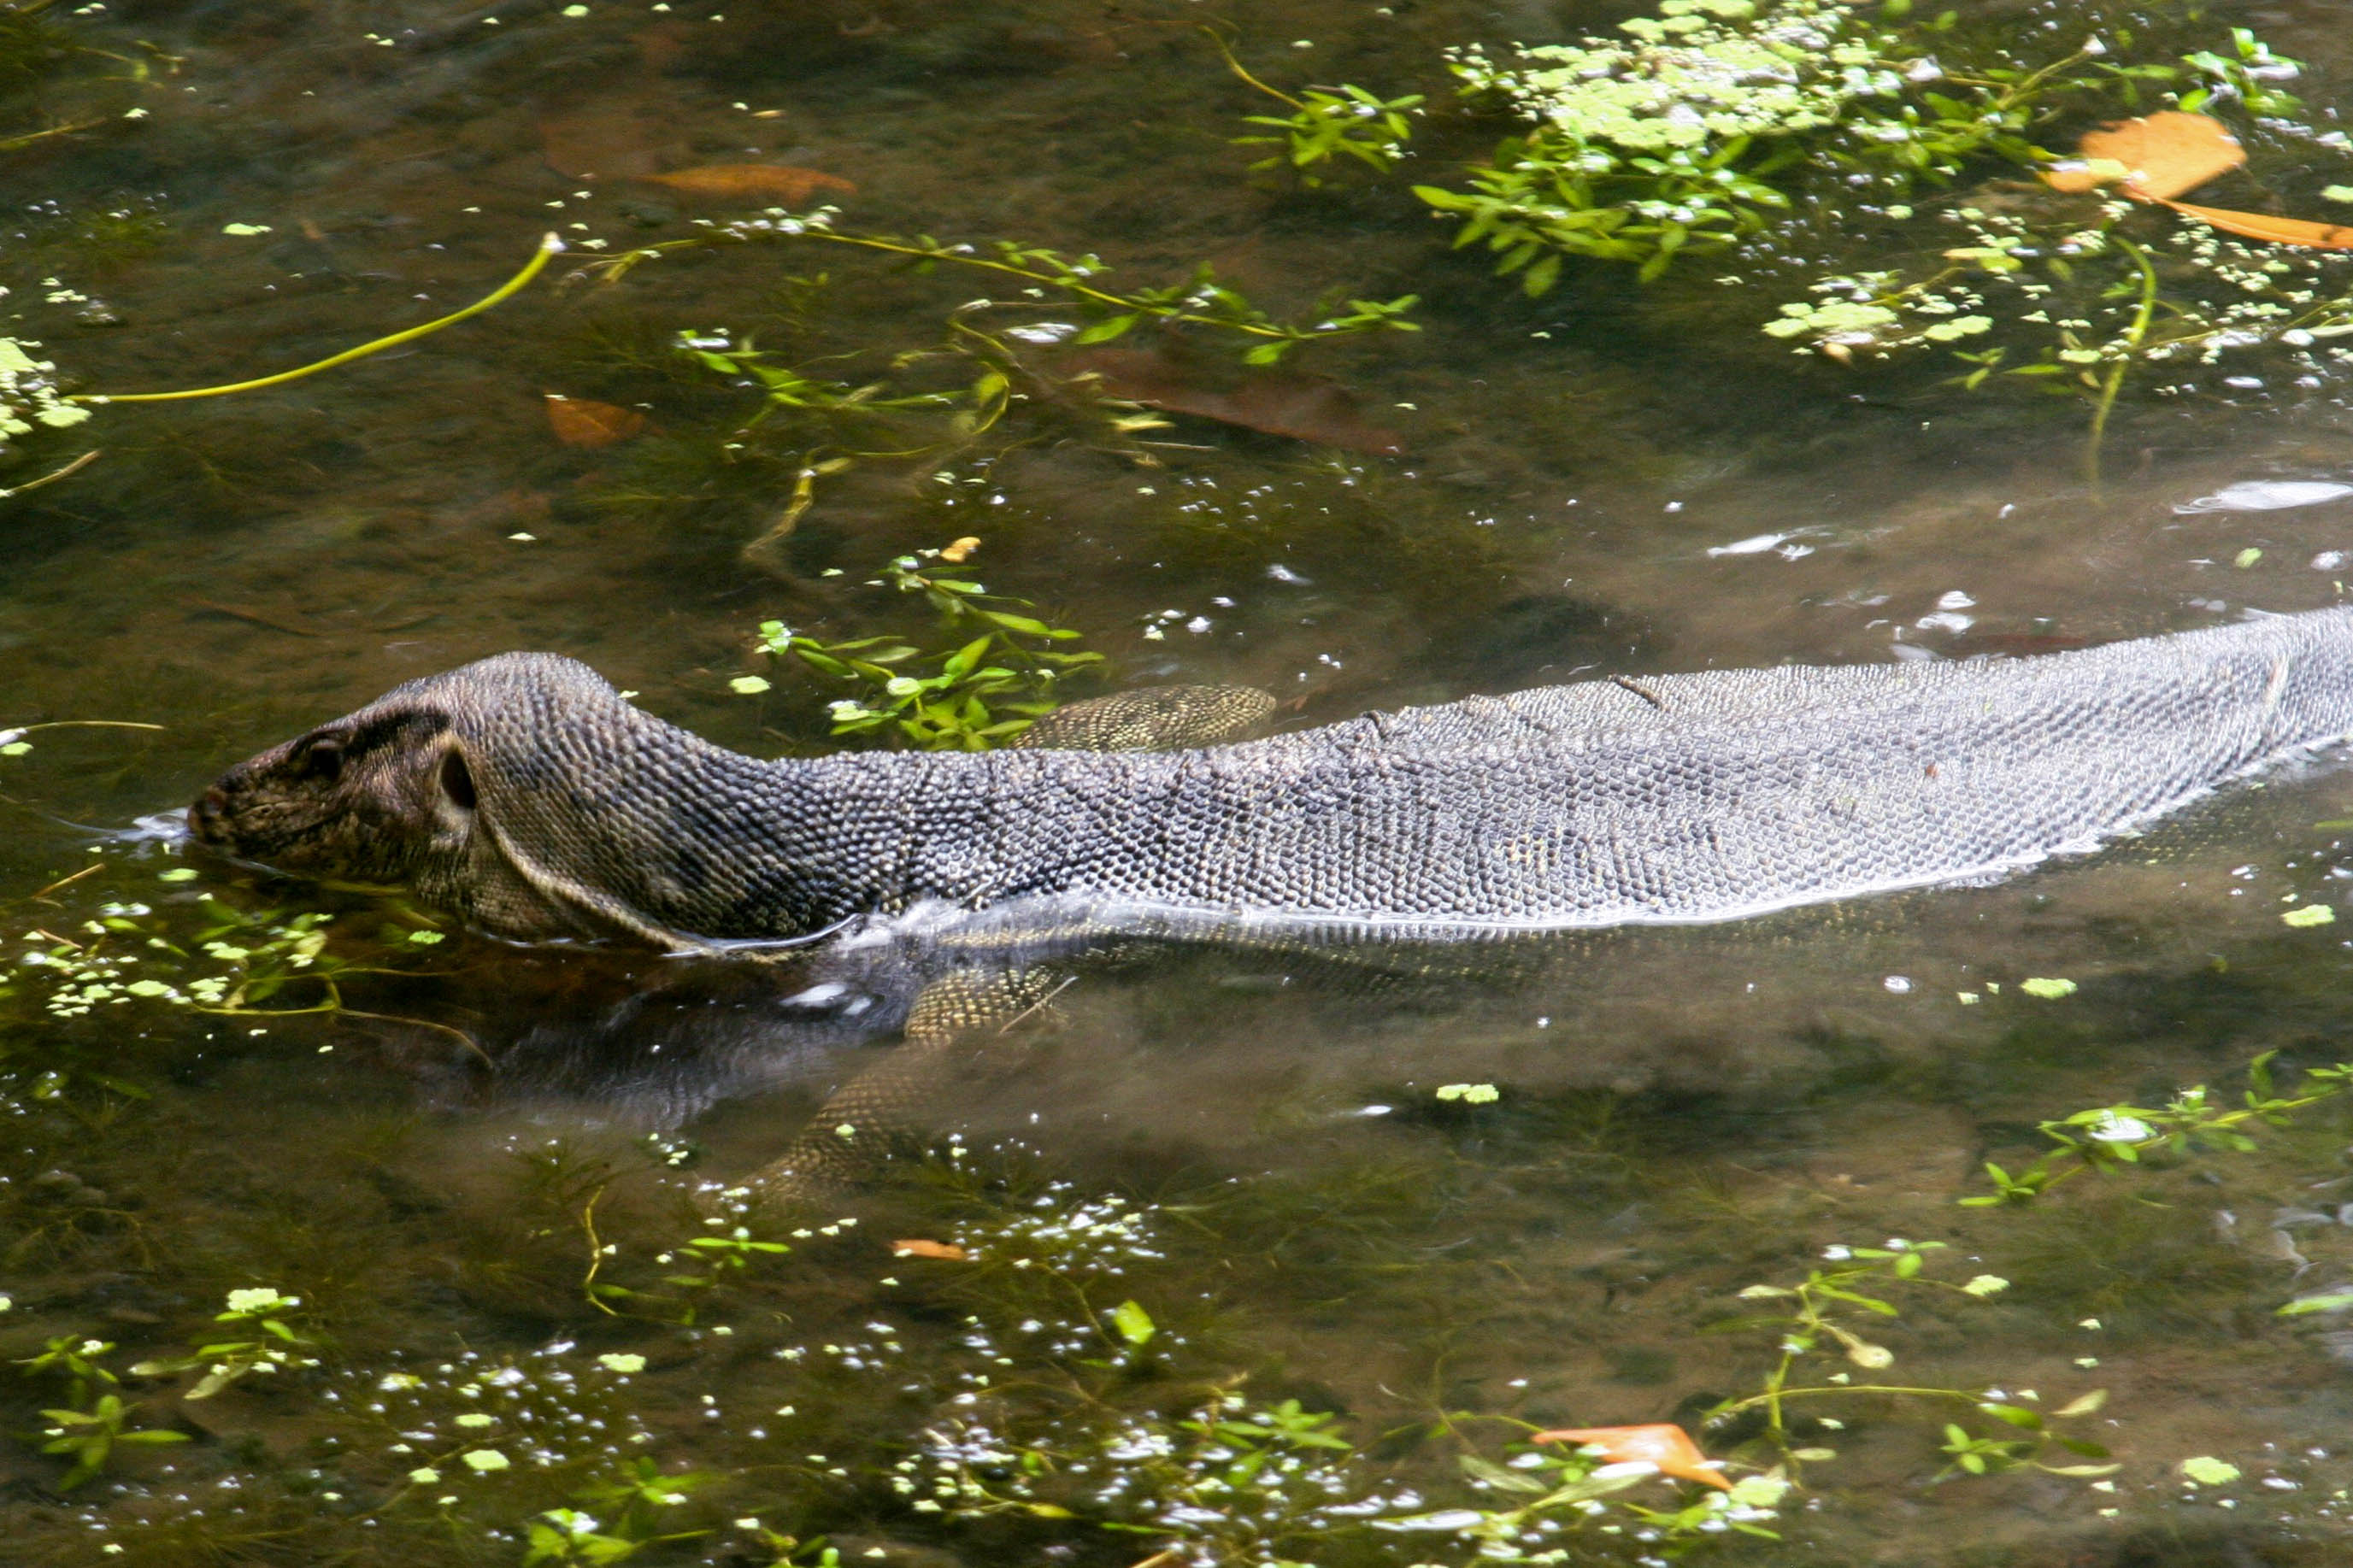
(2163, 155)
(1667, 1445)
(947, 1250)
(751, 182)
(577, 422)
(2278, 230)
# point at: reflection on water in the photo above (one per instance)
(506, 1184)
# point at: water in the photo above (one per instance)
(437, 1171)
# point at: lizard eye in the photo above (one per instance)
(458, 780)
(322, 760)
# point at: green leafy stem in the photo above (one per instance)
(1808, 1320)
(1199, 301)
(1324, 124)
(979, 694)
(94, 1421)
(2108, 1137)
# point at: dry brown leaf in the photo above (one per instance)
(2162, 155)
(578, 422)
(1665, 1445)
(1280, 403)
(751, 182)
(2277, 230)
(2165, 154)
(947, 1251)
(960, 550)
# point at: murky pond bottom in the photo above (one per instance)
(362, 1240)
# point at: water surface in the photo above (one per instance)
(1253, 1150)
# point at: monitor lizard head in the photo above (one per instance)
(445, 786)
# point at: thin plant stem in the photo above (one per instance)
(11, 144)
(595, 1255)
(86, 724)
(1772, 1397)
(1218, 39)
(53, 476)
(463, 1038)
(612, 269)
(2115, 378)
(941, 253)
(548, 246)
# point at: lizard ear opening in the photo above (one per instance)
(322, 760)
(458, 780)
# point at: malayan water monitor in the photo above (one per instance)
(525, 793)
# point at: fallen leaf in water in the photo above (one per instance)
(578, 422)
(960, 550)
(2155, 157)
(947, 1250)
(1280, 403)
(2159, 156)
(1667, 1445)
(751, 182)
(2277, 230)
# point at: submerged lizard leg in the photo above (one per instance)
(954, 1036)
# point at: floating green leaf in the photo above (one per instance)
(1133, 1323)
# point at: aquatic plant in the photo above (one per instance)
(33, 42)
(995, 355)
(1325, 123)
(28, 391)
(1645, 149)
(2077, 302)
(828, 428)
(14, 744)
(1199, 301)
(30, 396)
(1687, 136)
(42, 43)
(252, 958)
(92, 1435)
(630, 1516)
(722, 1257)
(253, 1308)
(978, 694)
(2110, 1137)
(1817, 1317)
(94, 1421)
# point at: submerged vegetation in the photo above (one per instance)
(1076, 283)
(1758, 136)
(953, 699)
(2110, 1137)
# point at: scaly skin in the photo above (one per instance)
(525, 793)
